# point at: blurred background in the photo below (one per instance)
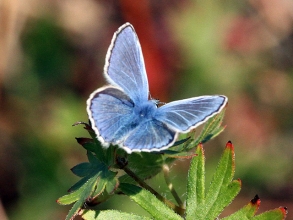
(52, 55)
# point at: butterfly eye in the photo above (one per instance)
(156, 102)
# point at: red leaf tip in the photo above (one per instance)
(284, 210)
(255, 200)
(229, 145)
(239, 180)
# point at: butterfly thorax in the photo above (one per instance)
(146, 110)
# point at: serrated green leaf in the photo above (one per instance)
(111, 214)
(106, 184)
(214, 134)
(126, 179)
(145, 165)
(87, 143)
(92, 158)
(74, 210)
(195, 183)
(180, 142)
(111, 180)
(112, 185)
(275, 214)
(110, 155)
(82, 169)
(221, 182)
(97, 168)
(247, 212)
(79, 184)
(221, 191)
(224, 198)
(71, 197)
(92, 145)
(85, 179)
(88, 169)
(211, 129)
(99, 150)
(100, 187)
(148, 202)
(224, 173)
(178, 155)
(86, 193)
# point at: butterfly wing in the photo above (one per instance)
(125, 64)
(186, 114)
(111, 109)
(111, 114)
(152, 135)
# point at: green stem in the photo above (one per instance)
(166, 172)
(177, 209)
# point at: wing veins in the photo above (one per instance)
(129, 61)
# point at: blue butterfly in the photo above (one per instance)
(121, 113)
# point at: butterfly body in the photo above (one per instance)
(145, 111)
(121, 113)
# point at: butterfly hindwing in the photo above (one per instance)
(111, 114)
(125, 64)
(149, 136)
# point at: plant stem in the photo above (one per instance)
(176, 208)
(166, 172)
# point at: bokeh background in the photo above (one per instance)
(52, 54)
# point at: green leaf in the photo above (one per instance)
(178, 155)
(80, 183)
(225, 197)
(86, 192)
(211, 129)
(145, 165)
(126, 179)
(106, 184)
(149, 202)
(92, 145)
(221, 191)
(82, 169)
(111, 214)
(93, 159)
(247, 212)
(111, 179)
(96, 169)
(110, 155)
(195, 183)
(91, 187)
(214, 128)
(107, 181)
(71, 197)
(275, 214)
(100, 187)
(180, 142)
(87, 143)
(224, 173)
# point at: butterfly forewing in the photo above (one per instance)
(125, 65)
(186, 114)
